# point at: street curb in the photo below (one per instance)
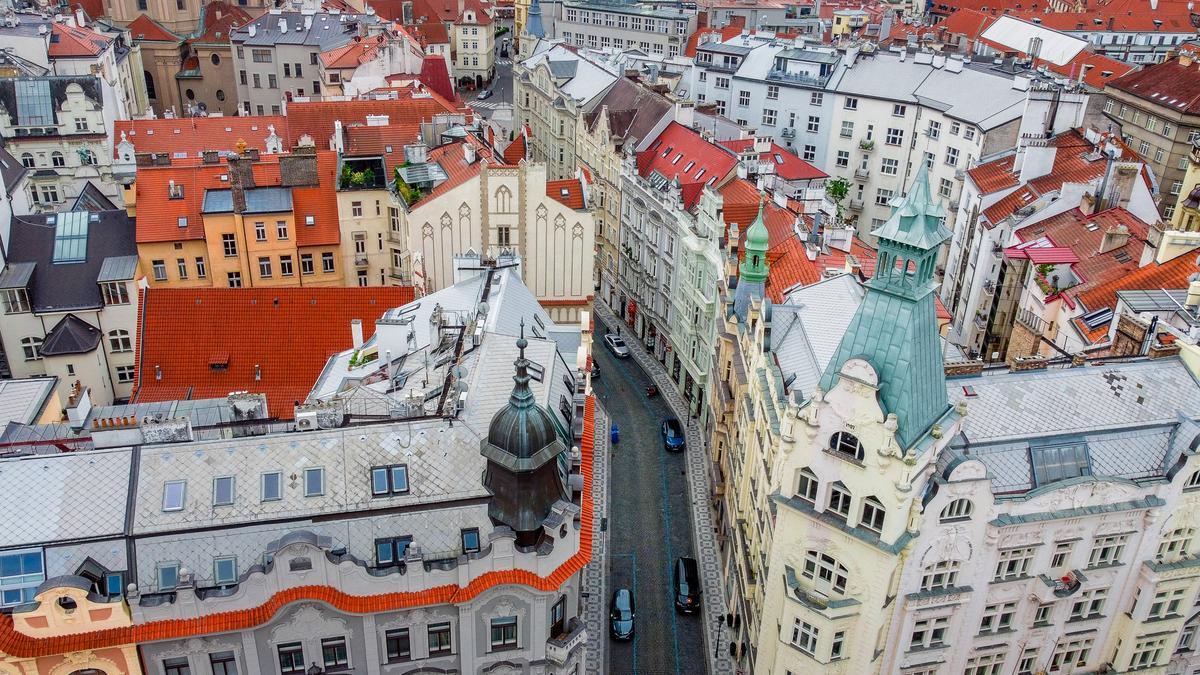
(699, 489)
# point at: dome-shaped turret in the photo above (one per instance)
(525, 452)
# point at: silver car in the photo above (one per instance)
(616, 345)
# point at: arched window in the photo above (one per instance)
(959, 509)
(1176, 545)
(57, 159)
(503, 199)
(27, 160)
(150, 91)
(873, 515)
(32, 347)
(846, 445)
(942, 574)
(119, 341)
(216, 59)
(826, 573)
(806, 486)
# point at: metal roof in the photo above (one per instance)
(117, 268)
(17, 274)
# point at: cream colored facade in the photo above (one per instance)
(501, 211)
(603, 161)
(373, 252)
(474, 49)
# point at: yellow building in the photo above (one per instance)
(244, 221)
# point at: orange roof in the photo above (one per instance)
(1172, 274)
(287, 333)
(387, 141)
(568, 192)
(1170, 84)
(431, 33)
(453, 161)
(220, 19)
(158, 215)
(73, 41)
(516, 151)
(994, 176)
(145, 28)
(707, 35)
(20, 645)
(316, 118)
(193, 135)
(787, 165)
(357, 52)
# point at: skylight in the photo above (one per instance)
(70, 237)
(689, 166)
(1059, 462)
(173, 495)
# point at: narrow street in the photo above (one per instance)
(650, 525)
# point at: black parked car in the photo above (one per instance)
(687, 586)
(620, 615)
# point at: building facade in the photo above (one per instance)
(655, 29)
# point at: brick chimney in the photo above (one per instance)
(241, 178)
(1114, 238)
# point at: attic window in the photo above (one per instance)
(536, 371)
(564, 192)
(969, 391)
(778, 158)
(183, 221)
(310, 220)
(1059, 462)
(677, 158)
(667, 152)
(219, 362)
(688, 166)
(700, 174)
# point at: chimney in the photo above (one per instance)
(356, 332)
(241, 177)
(377, 120)
(685, 113)
(1192, 303)
(1185, 59)
(1114, 238)
(1153, 5)
(81, 17)
(469, 153)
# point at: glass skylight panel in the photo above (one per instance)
(314, 482)
(225, 570)
(379, 481)
(223, 491)
(400, 479)
(34, 104)
(174, 492)
(1059, 462)
(70, 238)
(272, 486)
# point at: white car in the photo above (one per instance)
(617, 346)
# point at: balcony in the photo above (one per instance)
(776, 74)
(789, 132)
(980, 322)
(397, 274)
(862, 173)
(989, 288)
(856, 205)
(866, 145)
(559, 647)
(360, 260)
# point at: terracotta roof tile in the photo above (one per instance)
(289, 333)
(220, 19)
(316, 118)
(568, 192)
(436, 76)
(145, 28)
(193, 135)
(680, 151)
(994, 176)
(72, 41)
(1172, 274)
(787, 165)
(1170, 84)
(319, 202)
(517, 150)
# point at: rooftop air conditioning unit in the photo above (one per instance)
(307, 421)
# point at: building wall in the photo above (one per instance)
(597, 153)
(188, 252)
(552, 127)
(216, 87)
(556, 243)
(474, 51)
(601, 25)
(162, 60)
(1166, 154)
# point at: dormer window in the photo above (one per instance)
(174, 493)
(16, 301)
(174, 190)
(310, 220)
(846, 445)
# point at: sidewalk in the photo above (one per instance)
(594, 580)
(700, 491)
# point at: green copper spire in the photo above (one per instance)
(895, 328)
(754, 263)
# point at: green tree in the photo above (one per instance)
(837, 189)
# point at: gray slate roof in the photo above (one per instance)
(1132, 418)
(64, 497)
(71, 335)
(22, 401)
(118, 268)
(63, 287)
(258, 200)
(322, 31)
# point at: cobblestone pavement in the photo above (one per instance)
(595, 582)
(699, 503)
(649, 526)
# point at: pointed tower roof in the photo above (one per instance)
(533, 20)
(522, 427)
(895, 328)
(754, 264)
(917, 217)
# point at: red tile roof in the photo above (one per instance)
(452, 158)
(1070, 230)
(681, 152)
(73, 41)
(1172, 274)
(1170, 84)
(220, 19)
(517, 150)
(287, 333)
(316, 118)
(193, 135)
(430, 33)
(354, 53)
(708, 35)
(145, 28)
(24, 646)
(386, 141)
(436, 76)
(787, 165)
(994, 176)
(568, 192)
(158, 214)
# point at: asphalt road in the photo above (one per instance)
(649, 526)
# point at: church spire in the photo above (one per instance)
(752, 273)
(895, 328)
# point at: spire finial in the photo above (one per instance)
(522, 343)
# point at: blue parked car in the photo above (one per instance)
(621, 615)
(672, 433)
